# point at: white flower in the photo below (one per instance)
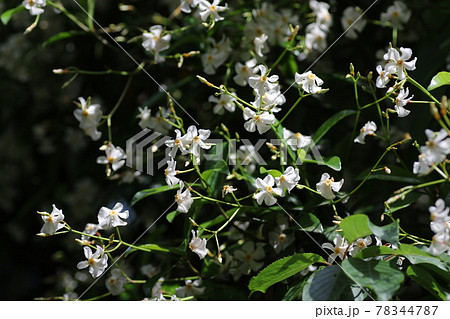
(350, 15)
(192, 288)
(198, 245)
(359, 244)
(398, 62)
(115, 282)
(383, 77)
(96, 262)
(155, 42)
(315, 38)
(170, 173)
(112, 217)
(255, 121)
(262, 83)
(279, 240)
(157, 122)
(397, 14)
(228, 189)
(243, 72)
(270, 100)
(440, 243)
(180, 142)
(250, 257)
(439, 212)
(338, 250)
(437, 147)
(149, 270)
(34, 6)
(296, 140)
(440, 220)
(401, 101)
(224, 102)
(327, 185)
(52, 222)
(186, 5)
(216, 55)
(195, 139)
(422, 167)
(89, 117)
(183, 199)
(368, 129)
(115, 156)
(289, 179)
(267, 191)
(259, 44)
(211, 9)
(90, 229)
(309, 82)
(323, 16)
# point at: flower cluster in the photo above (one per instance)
(434, 151)
(440, 225)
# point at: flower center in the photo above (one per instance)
(248, 257)
(110, 159)
(337, 250)
(282, 237)
(329, 181)
(400, 62)
(311, 76)
(269, 189)
(91, 261)
(257, 118)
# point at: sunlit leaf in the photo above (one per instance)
(282, 269)
(440, 79)
(377, 275)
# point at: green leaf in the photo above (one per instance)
(412, 253)
(378, 275)
(388, 233)
(296, 290)
(404, 202)
(273, 172)
(310, 223)
(424, 278)
(7, 15)
(215, 176)
(152, 191)
(61, 36)
(418, 256)
(373, 251)
(171, 216)
(440, 79)
(326, 284)
(156, 248)
(332, 121)
(355, 226)
(334, 163)
(282, 269)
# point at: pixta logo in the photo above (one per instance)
(141, 148)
